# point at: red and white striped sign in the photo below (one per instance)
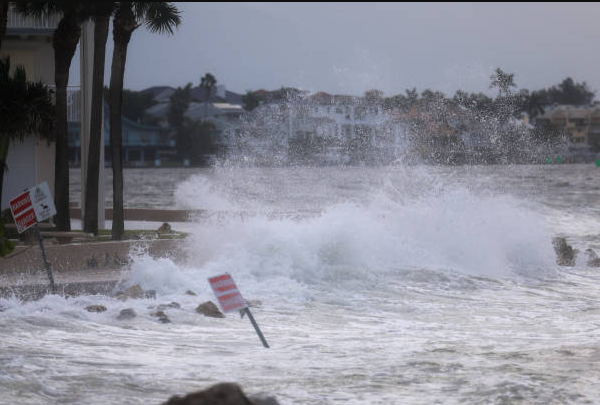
(33, 205)
(227, 293)
(23, 213)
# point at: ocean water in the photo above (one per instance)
(402, 285)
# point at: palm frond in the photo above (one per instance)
(158, 17)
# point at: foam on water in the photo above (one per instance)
(351, 247)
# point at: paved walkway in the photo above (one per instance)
(84, 268)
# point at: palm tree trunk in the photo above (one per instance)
(4, 144)
(3, 20)
(65, 39)
(124, 24)
(90, 220)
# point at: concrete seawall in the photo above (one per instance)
(86, 268)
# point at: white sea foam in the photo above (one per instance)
(351, 246)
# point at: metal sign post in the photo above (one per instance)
(231, 300)
(46, 262)
(256, 328)
(35, 204)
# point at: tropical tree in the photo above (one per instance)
(100, 13)
(3, 20)
(208, 83)
(158, 17)
(64, 41)
(25, 109)
(503, 81)
(533, 104)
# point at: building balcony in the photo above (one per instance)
(20, 25)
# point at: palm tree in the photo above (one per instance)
(101, 13)
(208, 82)
(25, 109)
(503, 81)
(64, 41)
(3, 20)
(157, 17)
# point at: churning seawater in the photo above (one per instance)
(401, 285)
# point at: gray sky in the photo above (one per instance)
(354, 47)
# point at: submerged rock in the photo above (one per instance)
(220, 394)
(135, 292)
(565, 254)
(210, 309)
(95, 308)
(162, 317)
(254, 303)
(164, 228)
(127, 313)
(174, 305)
(190, 292)
(593, 259)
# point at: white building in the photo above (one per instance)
(28, 42)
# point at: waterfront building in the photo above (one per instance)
(28, 43)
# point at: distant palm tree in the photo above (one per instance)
(25, 109)
(64, 41)
(534, 104)
(503, 81)
(3, 20)
(208, 82)
(100, 12)
(157, 17)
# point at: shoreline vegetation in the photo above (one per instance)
(292, 127)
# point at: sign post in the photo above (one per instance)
(231, 300)
(35, 204)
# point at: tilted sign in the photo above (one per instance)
(32, 206)
(227, 293)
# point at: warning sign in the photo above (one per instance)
(227, 293)
(33, 205)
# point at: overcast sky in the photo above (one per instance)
(353, 47)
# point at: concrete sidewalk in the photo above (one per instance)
(85, 268)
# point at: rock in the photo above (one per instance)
(220, 394)
(209, 309)
(190, 292)
(135, 292)
(565, 254)
(162, 317)
(260, 400)
(162, 307)
(593, 259)
(254, 303)
(164, 228)
(127, 313)
(95, 308)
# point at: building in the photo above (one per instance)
(28, 43)
(582, 123)
(143, 145)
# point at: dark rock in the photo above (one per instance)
(128, 313)
(254, 303)
(593, 259)
(95, 308)
(162, 307)
(220, 394)
(209, 309)
(164, 228)
(260, 400)
(565, 254)
(162, 317)
(135, 292)
(190, 292)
